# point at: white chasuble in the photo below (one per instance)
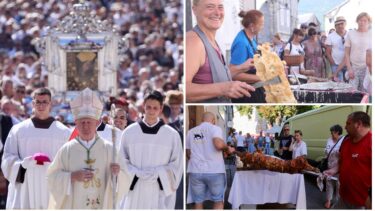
(23, 141)
(93, 194)
(154, 160)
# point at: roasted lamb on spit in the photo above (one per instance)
(259, 161)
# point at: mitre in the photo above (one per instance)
(86, 105)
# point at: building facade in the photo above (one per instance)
(224, 116)
(350, 9)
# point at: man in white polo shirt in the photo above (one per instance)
(336, 49)
(204, 147)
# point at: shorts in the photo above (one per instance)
(207, 184)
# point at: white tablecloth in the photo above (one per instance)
(263, 186)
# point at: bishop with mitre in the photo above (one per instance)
(80, 177)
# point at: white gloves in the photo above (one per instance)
(150, 174)
(27, 162)
(147, 174)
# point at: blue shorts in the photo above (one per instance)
(341, 74)
(203, 185)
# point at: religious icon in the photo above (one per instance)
(82, 70)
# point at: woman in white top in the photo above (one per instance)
(298, 147)
(333, 149)
(295, 47)
(356, 45)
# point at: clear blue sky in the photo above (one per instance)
(319, 7)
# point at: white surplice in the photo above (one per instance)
(93, 194)
(25, 140)
(36, 181)
(161, 152)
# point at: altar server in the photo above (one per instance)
(30, 147)
(154, 158)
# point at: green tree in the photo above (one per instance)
(245, 110)
(275, 114)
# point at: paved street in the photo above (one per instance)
(314, 198)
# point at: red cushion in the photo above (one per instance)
(41, 158)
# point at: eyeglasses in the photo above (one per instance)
(38, 103)
(21, 91)
(303, 27)
(286, 129)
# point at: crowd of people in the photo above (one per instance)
(47, 165)
(342, 56)
(251, 143)
(153, 32)
(289, 146)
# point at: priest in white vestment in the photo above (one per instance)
(154, 159)
(30, 147)
(80, 176)
(105, 132)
